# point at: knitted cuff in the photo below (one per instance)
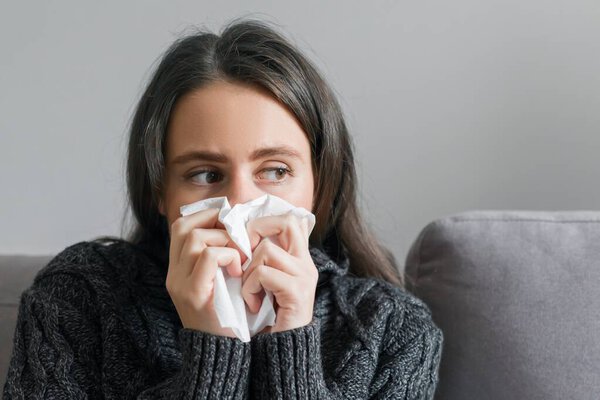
(213, 366)
(287, 364)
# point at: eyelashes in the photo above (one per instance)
(216, 174)
(202, 171)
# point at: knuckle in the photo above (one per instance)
(196, 233)
(209, 253)
(178, 224)
(197, 238)
(195, 251)
(267, 245)
(290, 219)
(171, 287)
(258, 247)
(245, 290)
(261, 270)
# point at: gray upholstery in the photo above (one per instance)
(16, 274)
(517, 295)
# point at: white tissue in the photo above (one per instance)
(229, 304)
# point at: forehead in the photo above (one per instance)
(235, 118)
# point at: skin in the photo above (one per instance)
(235, 120)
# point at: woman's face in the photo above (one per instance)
(234, 140)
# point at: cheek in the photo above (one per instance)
(307, 200)
(310, 193)
(304, 196)
(173, 215)
(171, 212)
(175, 198)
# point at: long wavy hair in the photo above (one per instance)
(253, 52)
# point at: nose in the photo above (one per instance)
(241, 189)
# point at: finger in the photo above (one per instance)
(285, 226)
(212, 258)
(233, 245)
(263, 277)
(184, 225)
(268, 253)
(197, 240)
(304, 225)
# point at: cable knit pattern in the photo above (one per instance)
(98, 323)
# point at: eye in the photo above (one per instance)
(205, 177)
(278, 173)
(209, 176)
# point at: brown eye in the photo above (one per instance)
(206, 177)
(277, 174)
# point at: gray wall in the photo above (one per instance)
(453, 105)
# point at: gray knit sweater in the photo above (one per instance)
(98, 322)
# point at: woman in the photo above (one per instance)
(238, 115)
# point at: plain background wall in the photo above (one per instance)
(453, 106)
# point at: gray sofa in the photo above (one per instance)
(516, 293)
(16, 274)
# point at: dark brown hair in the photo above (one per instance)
(250, 51)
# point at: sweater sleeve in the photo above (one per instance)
(408, 364)
(287, 365)
(214, 367)
(55, 346)
(57, 352)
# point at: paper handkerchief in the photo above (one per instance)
(230, 307)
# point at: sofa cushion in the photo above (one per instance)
(517, 295)
(16, 274)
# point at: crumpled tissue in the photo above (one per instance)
(229, 304)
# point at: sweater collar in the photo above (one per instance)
(328, 265)
(325, 263)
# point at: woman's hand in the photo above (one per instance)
(287, 271)
(197, 249)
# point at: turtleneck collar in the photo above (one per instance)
(326, 264)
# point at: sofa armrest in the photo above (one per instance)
(16, 274)
(517, 295)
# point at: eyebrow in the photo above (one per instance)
(222, 158)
